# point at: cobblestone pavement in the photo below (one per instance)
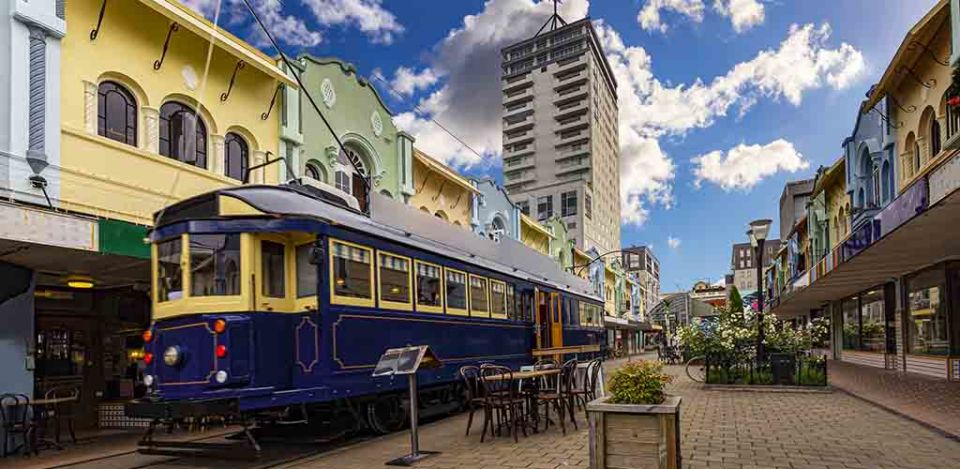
(729, 429)
(932, 401)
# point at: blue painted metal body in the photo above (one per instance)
(281, 359)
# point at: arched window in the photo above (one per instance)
(867, 197)
(861, 198)
(441, 215)
(887, 182)
(313, 172)
(916, 157)
(842, 222)
(935, 142)
(236, 156)
(183, 135)
(116, 113)
(350, 175)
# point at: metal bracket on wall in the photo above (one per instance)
(266, 115)
(886, 119)
(226, 94)
(909, 109)
(96, 31)
(915, 44)
(174, 27)
(909, 71)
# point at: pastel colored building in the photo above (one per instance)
(870, 160)
(535, 235)
(375, 149)
(441, 191)
(494, 214)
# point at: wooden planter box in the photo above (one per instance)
(634, 436)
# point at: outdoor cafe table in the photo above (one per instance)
(524, 374)
(41, 411)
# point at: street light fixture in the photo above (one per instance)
(758, 235)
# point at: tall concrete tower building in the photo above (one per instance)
(561, 151)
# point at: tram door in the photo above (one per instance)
(556, 324)
(543, 320)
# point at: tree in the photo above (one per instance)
(735, 301)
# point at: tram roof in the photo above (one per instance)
(391, 220)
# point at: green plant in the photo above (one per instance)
(640, 382)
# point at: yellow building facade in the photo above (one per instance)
(838, 203)
(153, 74)
(441, 191)
(534, 235)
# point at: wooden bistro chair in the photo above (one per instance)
(475, 399)
(558, 394)
(65, 411)
(585, 390)
(14, 410)
(504, 400)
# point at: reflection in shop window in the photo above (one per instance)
(927, 324)
(214, 265)
(169, 275)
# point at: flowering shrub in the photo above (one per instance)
(639, 382)
(733, 333)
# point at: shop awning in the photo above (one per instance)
(920, 242)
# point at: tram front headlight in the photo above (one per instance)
(172, 355)
(148, 380)
(221, 376)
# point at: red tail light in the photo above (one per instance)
(148, 358)
(221, 351)
(147, 335)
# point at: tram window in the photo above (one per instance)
(498, 300)
(214, 265)
(272, 264)
(429, 291)
(352, 271)
(479, 303)
(456, 290)
(306, 272)
(574, 313)
(511, 297)
(169, 274)
(394, 278)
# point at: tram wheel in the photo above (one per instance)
(386, 414)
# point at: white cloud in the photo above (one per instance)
(744, 166)
(743, 14)
(650, 18)
(366, 15)
(674, 243)
(406, 81)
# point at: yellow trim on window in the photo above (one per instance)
(416, 292)
(486, 293)
(504, 295)
(405, 306)
(347, 300)
(466, 284)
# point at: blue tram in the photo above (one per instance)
(271, 298)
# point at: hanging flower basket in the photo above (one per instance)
(954, 91)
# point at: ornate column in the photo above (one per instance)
(90, 107)
(217, 164)
(150, 136)
(258, 157)
(36, 143)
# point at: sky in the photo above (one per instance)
(721, 101)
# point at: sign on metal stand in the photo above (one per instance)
(407, 361)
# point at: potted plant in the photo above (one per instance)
(637, 424)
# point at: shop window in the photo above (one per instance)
(215, 265)
(183, 135)
(272, 269)
(429, 288)
(456, 292)
(116, 113)
(169, 272)
(872, 321)
(394, 280)
(498, 300)
(236, 156)
(352, 268)
(927, 332)
(306, 272)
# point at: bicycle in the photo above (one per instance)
(696, 369)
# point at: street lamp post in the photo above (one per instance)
(758, 235)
